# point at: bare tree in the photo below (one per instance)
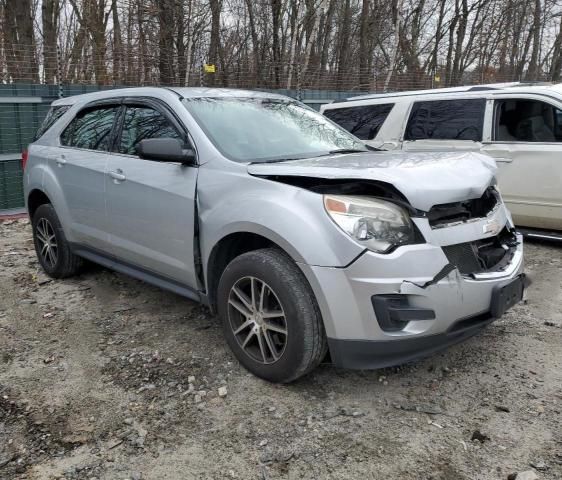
(335, 44)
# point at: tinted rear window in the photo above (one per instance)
(91, 129)
(52, 116)
(364, 121)
(446, 120)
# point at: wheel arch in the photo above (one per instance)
(35, 199)
(227, 249)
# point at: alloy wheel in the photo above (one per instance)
(48, 247)
(257, 320)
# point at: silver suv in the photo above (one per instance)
(303, 240)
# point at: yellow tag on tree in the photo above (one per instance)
(437, 78)
(209, 68)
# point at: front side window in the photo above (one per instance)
(522, 120)
(91, 129)
(53, 115)
(141, 123)
(364, 121)
(447, 120)
(267, 129)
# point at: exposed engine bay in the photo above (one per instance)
(452, 213)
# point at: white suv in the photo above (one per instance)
(520, 125)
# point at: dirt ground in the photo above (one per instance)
(105, 377)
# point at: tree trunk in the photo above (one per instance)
(166, 41)
(343, 48)
(397, 14)
(22, 64)
(276, 6)
(292, 42)
(180, 42)
(118, 66)
(214, 45)
(255, 39)
(502, 57)
(433, 64)
(556, 65)
(533, 70)
(313, 36)
(50, 13)
(456, 73)
(365, 52)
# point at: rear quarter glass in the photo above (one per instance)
(52, 116)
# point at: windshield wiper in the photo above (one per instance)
(277, 160)
(347, 150)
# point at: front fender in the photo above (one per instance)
(293, 218)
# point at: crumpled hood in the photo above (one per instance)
(425, 179)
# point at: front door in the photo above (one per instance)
(527, 145)
(151, 204)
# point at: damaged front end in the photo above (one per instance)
(493, 240)
(456, 264)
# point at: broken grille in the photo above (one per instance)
(490, 254)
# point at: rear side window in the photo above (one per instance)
(53, 115)
(364, 121)
(141, 123)
(91, 129)
(446, 120)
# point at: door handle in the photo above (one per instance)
(117, 175)
(500, 155)
(389, 145)
(60, 160)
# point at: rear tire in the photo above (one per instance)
(52, 248)
(270, 317)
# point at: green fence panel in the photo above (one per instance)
(18, 124)
(11, 187)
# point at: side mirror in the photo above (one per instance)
(165, 150)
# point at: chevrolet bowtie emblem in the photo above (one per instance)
(492, 227)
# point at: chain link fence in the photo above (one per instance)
(31, 78)
(120, 67)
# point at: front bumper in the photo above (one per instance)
(370, 354)
(453, 306)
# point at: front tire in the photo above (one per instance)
(270, 317)
(52, 248)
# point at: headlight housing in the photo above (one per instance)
(376, 224)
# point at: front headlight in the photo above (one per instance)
(377, 224)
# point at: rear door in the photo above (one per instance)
(151, 204)
(526, 141)
(445, 125)
(80, 164)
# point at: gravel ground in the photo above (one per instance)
(105, 377)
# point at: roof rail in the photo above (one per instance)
(480, 88)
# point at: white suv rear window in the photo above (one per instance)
(364, 121)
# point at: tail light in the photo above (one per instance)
(24, 155)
